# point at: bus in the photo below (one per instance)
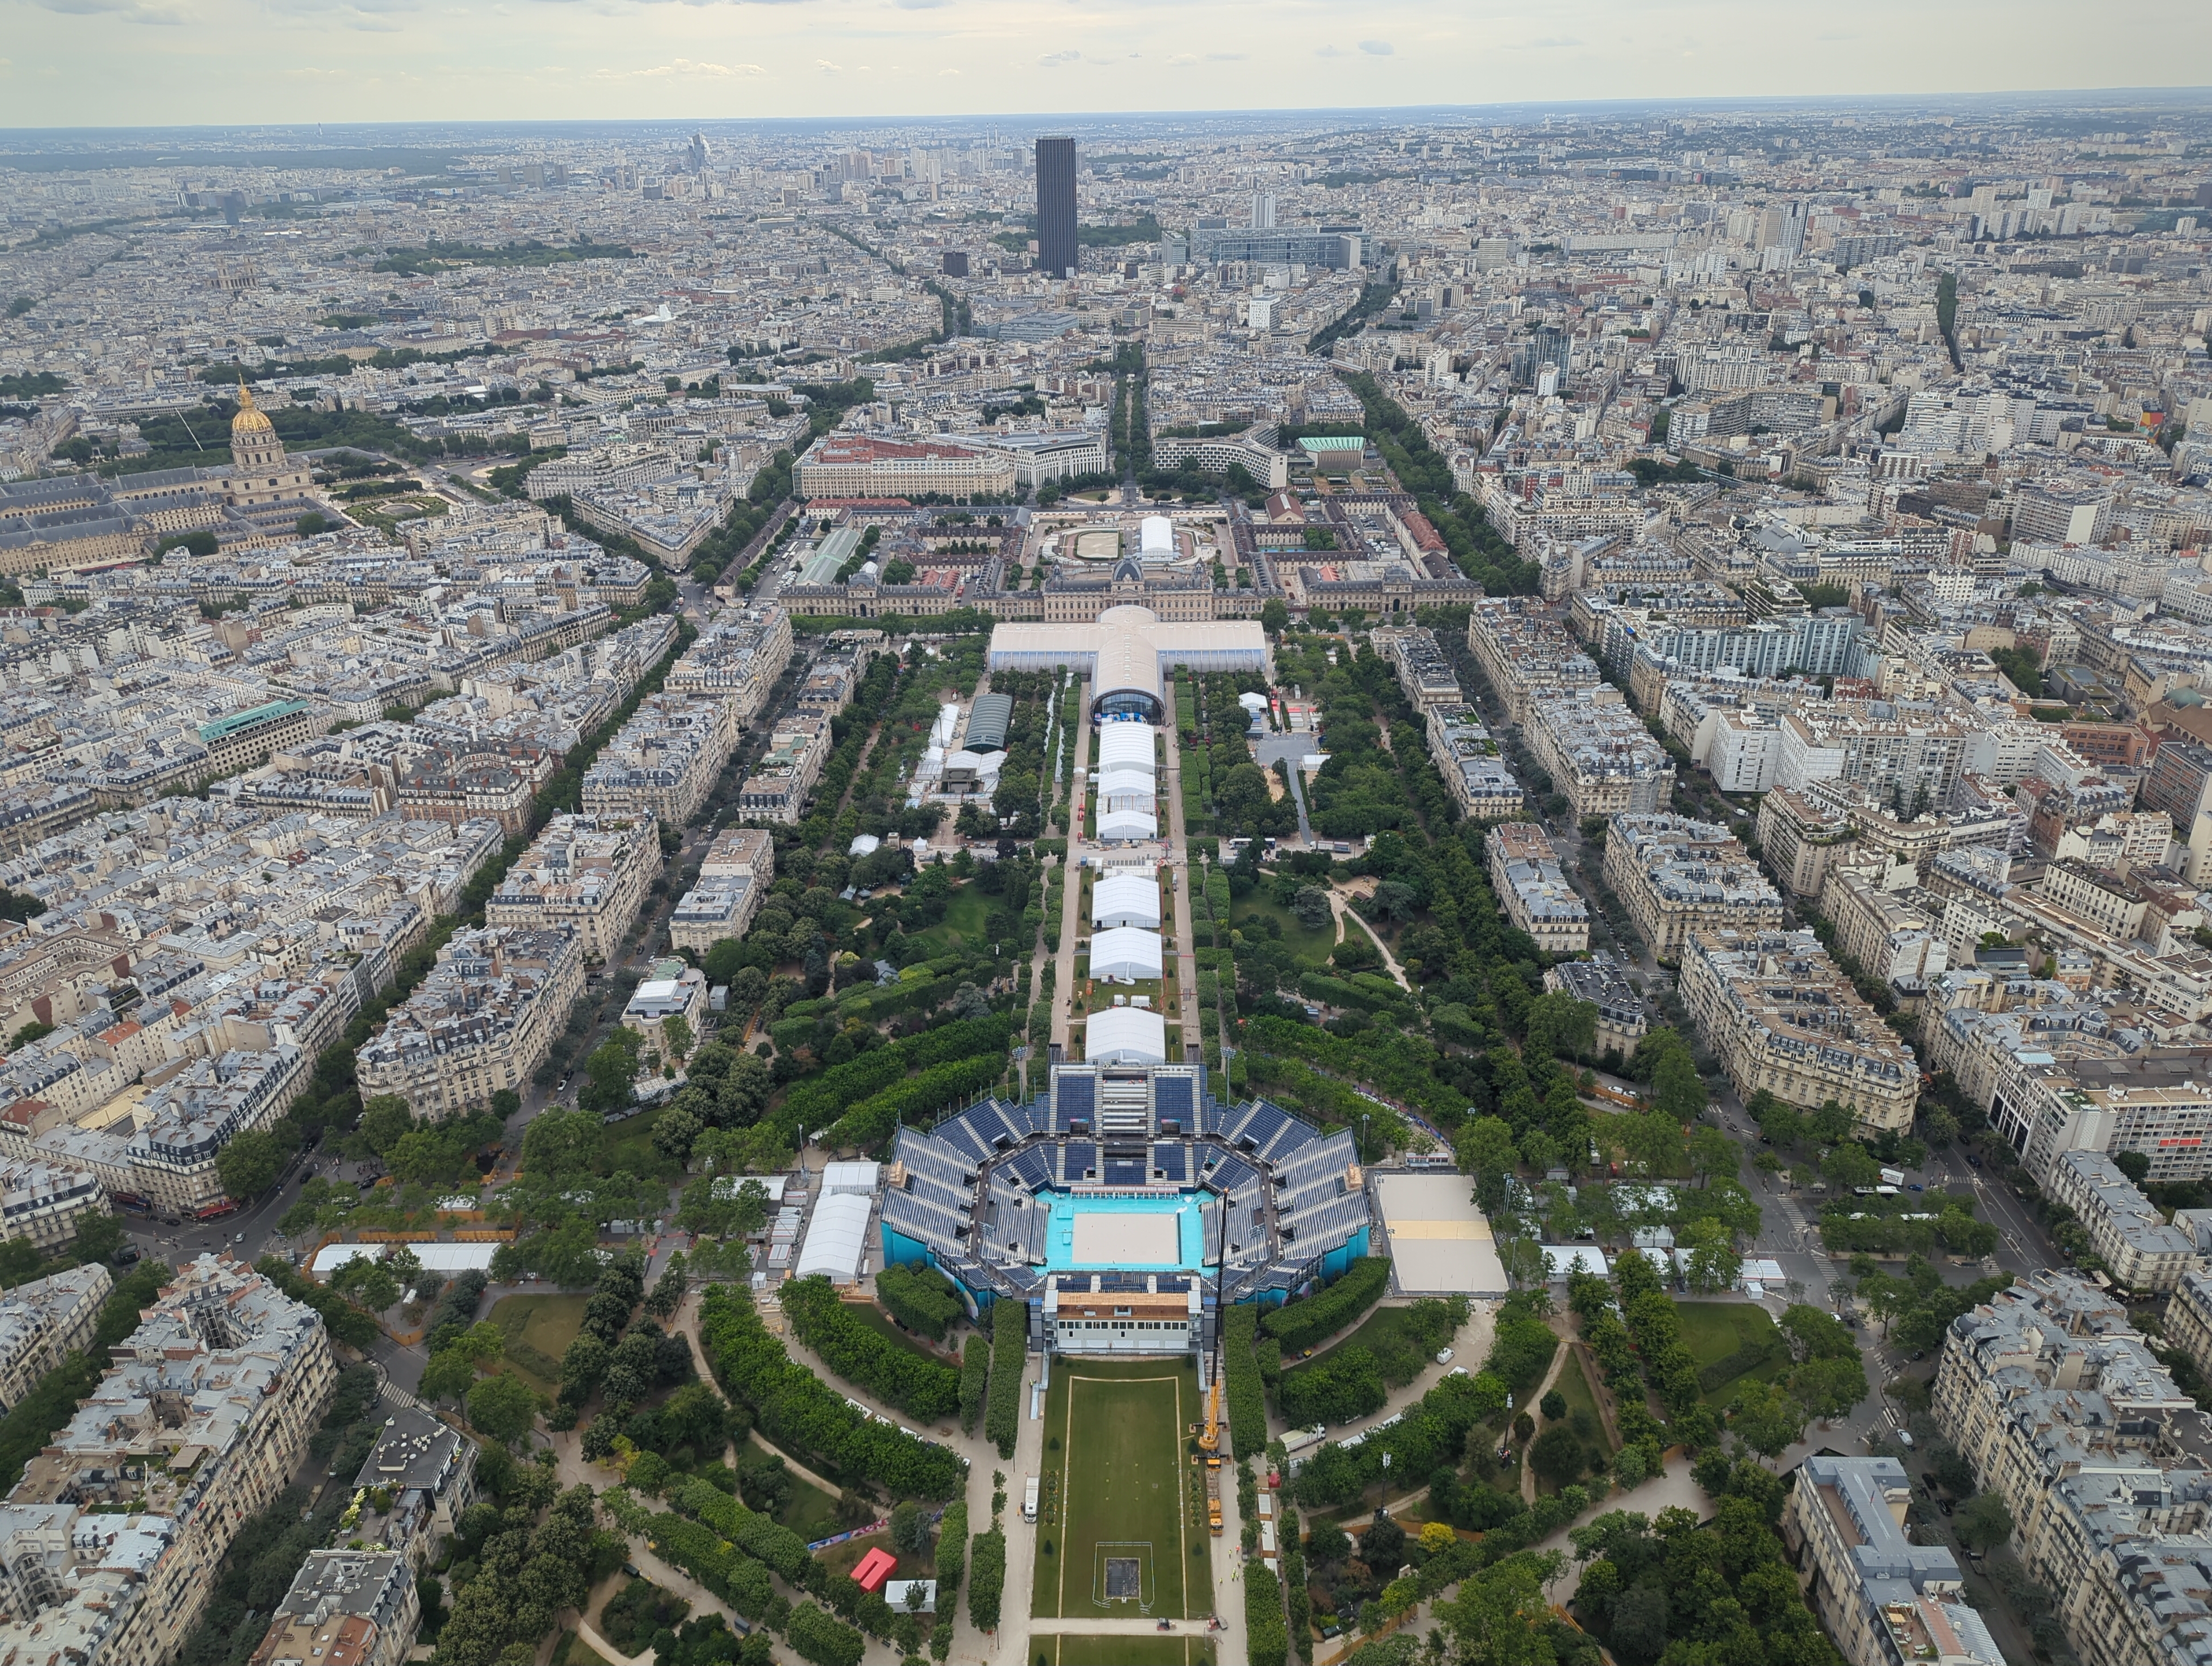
(217, 1211)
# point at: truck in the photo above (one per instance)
(1892, 1176)
(1030, 1499)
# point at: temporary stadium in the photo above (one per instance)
(1124, 1205)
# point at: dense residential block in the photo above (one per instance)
(1676, 875)
(1524, 870)
(481, 1021)
(588, 873)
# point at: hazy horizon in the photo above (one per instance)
(135, 64)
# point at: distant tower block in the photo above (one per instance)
(1055, 210)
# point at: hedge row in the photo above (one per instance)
(917, 1099)
(864, 1356)
(732, 1575)
(952, 1555)
(1010, 1343)
(817, 1102)
(1301, 1324)
(757, 1536)
(919, 1298)
(817, 1635)
(1266, 1638)
(987, 1562)
(974, 1378)
(796, 1409)
(1248, 1398)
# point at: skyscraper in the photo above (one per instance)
(1055, 210)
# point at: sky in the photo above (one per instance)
(129, 63)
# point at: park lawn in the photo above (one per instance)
(1574, 1385)
(538, 1329)
(1126, 1650)
(810, 1512)
(843, 1559)
(963, 924)
(1118, 1475)
(1714, 1330)
(627, 1147)
(1310, 946)
(882, 1324)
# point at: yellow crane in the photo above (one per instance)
(1211, 1440)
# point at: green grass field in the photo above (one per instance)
(1574, 1387)
(538, 1329)
(1114, 1491)
(1310, 946)
(963, 923)
(1124, 1651)
(1714, 1330)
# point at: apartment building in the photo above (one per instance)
(1467, 758)
(2062, 1410)
(430, 1471)
(483, 1020)
(2136, 1244)
(1525, 654)
(1780, 1016)
(1799, 837)
(1422, 671)
(736, 660)
(1676, 875)
(43, 1200)
(346, 1608)
(739, 868)
(669, 990)
(1881, 933)
(1909, 762)
(42, 1323)
(1603, 982)
(1884, 1600)
(1525, 871)
(1600, 755)
(2188, 1316)
(663, 763)
(776, 790)
(589, 874)
(114, 1535)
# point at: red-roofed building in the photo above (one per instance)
(875, 1567)
(858, 465)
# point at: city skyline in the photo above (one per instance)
(70, 62)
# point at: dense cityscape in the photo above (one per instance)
(1493, 826)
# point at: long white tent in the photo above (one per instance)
(1126, 1035)
(837, 1237)
(1126, 899)
(1125, 951)
(1126, 745)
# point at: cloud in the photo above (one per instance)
(1051, 60)
(684, 66)
(1327, 52)
(827, 67)
(131, 11)
(1377, 48)
(918, 5)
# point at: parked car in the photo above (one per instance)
(1443, 1356)
(1972, 1161)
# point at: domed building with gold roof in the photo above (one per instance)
(260, 469)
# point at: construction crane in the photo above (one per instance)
(1211, 1440)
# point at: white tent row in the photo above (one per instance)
(1126, 1035)
(1123, 787)
(1127, 746)
(448, 1259)
(1126, 899)
(1127, 826)
(837, 1237)
(1125, 951)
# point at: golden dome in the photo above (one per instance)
(250, 419)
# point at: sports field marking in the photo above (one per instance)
(1067, 1514)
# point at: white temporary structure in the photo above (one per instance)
(1126, 745)
(1126, 1035)
(837, 1236)
(1124, 651)
(851, 1176)
(1125, 951)
(1127, 826)
(1124, 788)
(1126, 899)
(449, 1259)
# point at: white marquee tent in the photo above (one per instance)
(1125, 951)
(1126, 899)
(1126, 1035)
(837, 1237)
(1126, 745)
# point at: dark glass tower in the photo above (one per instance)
(1055, 209)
